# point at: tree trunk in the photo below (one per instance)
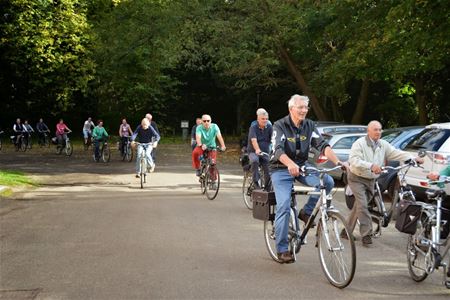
(296, 73)
(421, 101)
(358, 115)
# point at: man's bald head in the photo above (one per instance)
(374, 130)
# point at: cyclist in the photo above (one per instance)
(99, 135)
(366, 157)
(435, 176)
(87, 129)
(205, 136)
(144, 134)
(41, 128)
(17, 130)
(198, 122)
(61, 133)
(124, 132)
(259, 138)
(292, 137)
(27, 131)
(153, 124)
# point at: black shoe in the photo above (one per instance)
(198, 172)
(302, 215)
(285, 257)
(366, 240)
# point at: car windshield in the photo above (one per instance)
(430, 139)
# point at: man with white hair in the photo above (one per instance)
(367, 155)
(259, 138)
(292, 137)
(144, 134)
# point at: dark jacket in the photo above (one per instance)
(294, 142)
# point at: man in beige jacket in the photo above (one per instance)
(367, 156)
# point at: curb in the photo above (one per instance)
(5, 191)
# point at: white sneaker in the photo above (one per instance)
(152, 168)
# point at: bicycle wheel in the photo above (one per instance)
(106, 153)
(270, 239)
(416, 252)
(379, 219)
(247, 186)
(336, 249)
(129, 153)
(212, 179)
(23, 145)
(143, 171)
(68, 149)
(391, 199)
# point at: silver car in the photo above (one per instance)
(341, 145)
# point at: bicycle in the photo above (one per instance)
(44, 140)
(382, 211)
(143, 163)
(248, 184)
(104, 152)
(66, 146)
(425, 251)
(127, 151)
(19, 142)
(209, 177)
(336, 247)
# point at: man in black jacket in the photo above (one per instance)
(292, 137)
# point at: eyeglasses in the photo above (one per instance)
(302, 107)
(206, 121)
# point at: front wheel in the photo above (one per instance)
(68, 149)
(336, 249)
(212, 182)
(416, 251)
(247, 186)
(106, 153)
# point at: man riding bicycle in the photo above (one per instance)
(87, 127)
(259, 139)
(144, 134)
(41, 128)
(17, 130)
(27, 131)
(99, 135)
(206, 135)
(292, 137)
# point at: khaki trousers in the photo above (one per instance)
(362, 189)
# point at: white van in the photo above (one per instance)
(435, 141)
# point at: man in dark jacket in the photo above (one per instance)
(292, 137)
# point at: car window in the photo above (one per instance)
(430, 139)
(389, 136)
(405, 142)
(337, 130)
(345, 143)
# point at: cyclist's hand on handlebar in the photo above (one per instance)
(204, 147)
(433, 176)
(419, 160)
(258, 152)
(223, 148)
(294, 169)
(345, 166)
(155, 144)
(376, 169)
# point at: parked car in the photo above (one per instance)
(435, 141)
(401, 136)
(341, 145)
(332, 128)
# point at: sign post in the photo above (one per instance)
(184, 129)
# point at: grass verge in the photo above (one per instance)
(11, 179)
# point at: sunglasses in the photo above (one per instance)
(205, 121)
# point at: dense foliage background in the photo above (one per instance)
(357, 60)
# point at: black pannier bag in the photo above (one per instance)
(263, 205)
(408, 213)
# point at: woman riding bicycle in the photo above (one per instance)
(124, 132)
(144, 134)
(99, 135)
(61, 132)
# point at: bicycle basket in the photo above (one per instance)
(408, 213)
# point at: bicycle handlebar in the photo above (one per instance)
(305, 169)
(444, 180)
(408, 163)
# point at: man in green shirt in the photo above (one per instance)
(206, 135)
(99, 135)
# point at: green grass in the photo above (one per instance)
(15, 178)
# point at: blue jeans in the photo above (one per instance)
(148, 154)
(255, 161)
(283, 183)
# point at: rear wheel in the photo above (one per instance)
(270, 238)
(247, 187)
(336, 248)
(23, 145)
(378, 217)
(212, 182)
(129, 153)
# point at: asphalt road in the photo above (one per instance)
(90, 232)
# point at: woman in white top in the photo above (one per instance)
(124, 132)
